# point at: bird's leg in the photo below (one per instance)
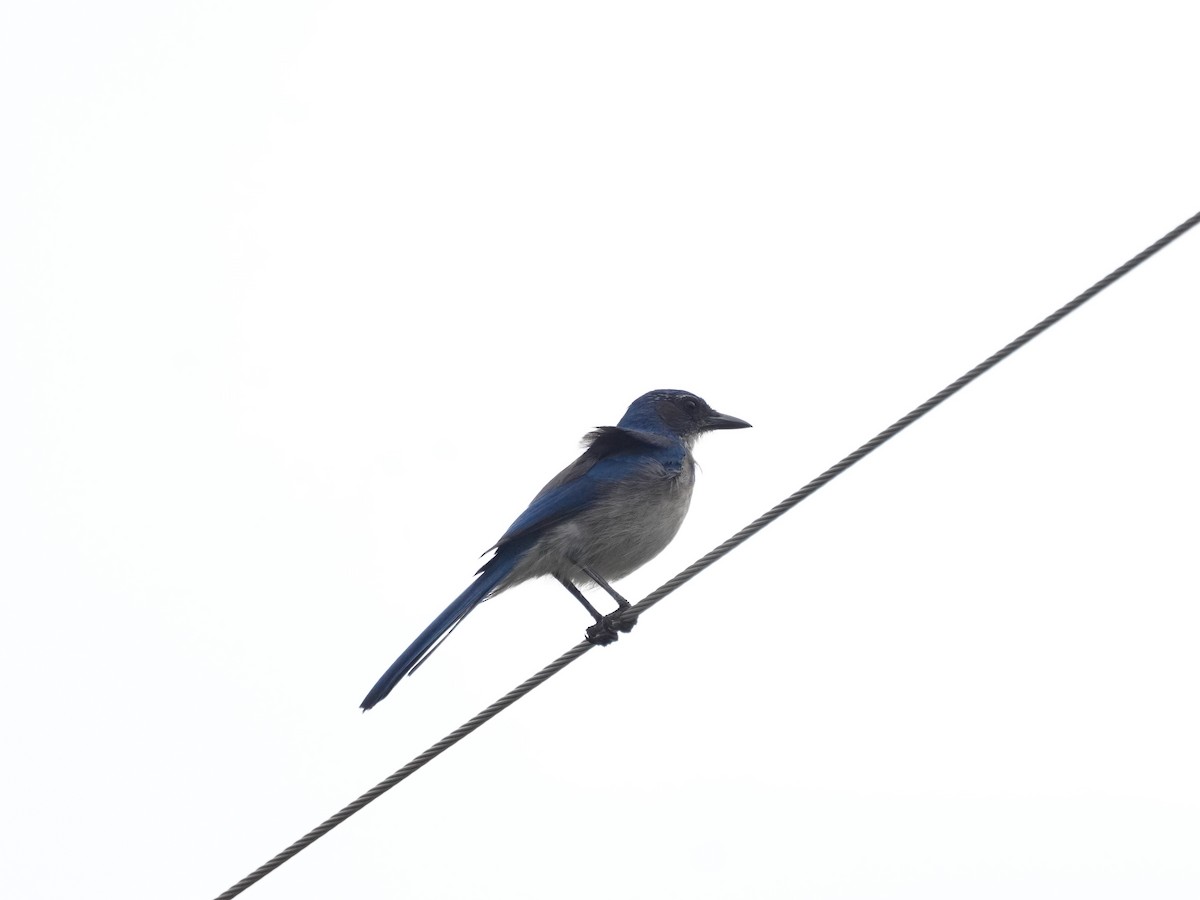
(623, 619)
(603, 631)
(578, 595)
(622, 603)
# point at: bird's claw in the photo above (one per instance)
(602, 633)
(624, 620)
(609, 628)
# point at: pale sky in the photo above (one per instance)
(301, 303)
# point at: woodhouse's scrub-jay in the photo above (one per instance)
(609, 512)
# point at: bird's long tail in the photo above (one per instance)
(489, 579)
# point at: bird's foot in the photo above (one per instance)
(602, 633)
(624, 619)
(608, 628)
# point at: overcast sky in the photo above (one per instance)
(301, 303)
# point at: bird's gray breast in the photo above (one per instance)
(623, 530)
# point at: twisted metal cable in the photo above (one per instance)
(707, 560)
(899, 425)
(400, 774)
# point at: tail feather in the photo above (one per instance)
(489, 579)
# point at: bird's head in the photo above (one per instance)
(676, 413)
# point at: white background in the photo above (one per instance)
(300, 304)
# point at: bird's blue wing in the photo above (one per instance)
(612, 454)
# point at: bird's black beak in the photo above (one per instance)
(718, 420)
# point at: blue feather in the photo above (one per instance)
(481, 588)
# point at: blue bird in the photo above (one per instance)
(606, 514)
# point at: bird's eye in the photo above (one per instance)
(691, 404)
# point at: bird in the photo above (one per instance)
(608, 513)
